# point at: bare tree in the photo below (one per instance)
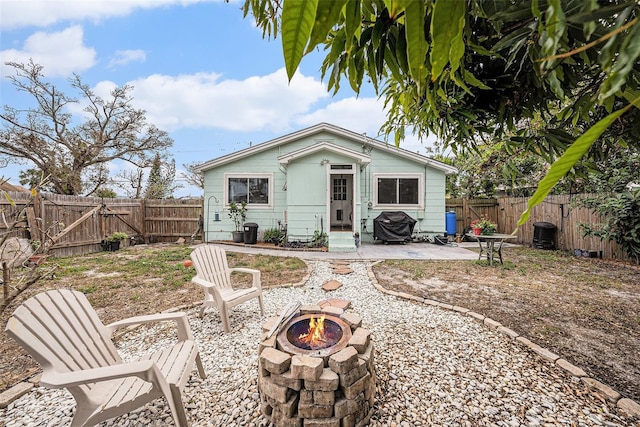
(75, 156)
(18, 273)
(132, 182)
(192, 176)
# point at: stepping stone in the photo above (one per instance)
(342, 270)
(331, 285)
(335, 302)
(334, 264)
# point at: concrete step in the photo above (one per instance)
(341, 242)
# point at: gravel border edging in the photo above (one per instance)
(628, 406)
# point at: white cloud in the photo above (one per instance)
(41, 13)
(355, 114)
(259, 103)
(124, 57)
(60, 53)
(363, 115)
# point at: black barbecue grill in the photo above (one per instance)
(393, 227)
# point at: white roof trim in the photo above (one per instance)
(353, 136)
(361, 158)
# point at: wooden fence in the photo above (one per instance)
(83, 222)
(560, 211)
(87, 220)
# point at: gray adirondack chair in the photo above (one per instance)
(214, 275)
(63, 333)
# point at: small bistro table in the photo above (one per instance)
(489, 248)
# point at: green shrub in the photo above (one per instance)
(622, 221)
(272, 235)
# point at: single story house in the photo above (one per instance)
(324, 179)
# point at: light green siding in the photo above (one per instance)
(301, 187)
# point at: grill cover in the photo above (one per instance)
(393, 227)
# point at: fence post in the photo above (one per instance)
(143, 219)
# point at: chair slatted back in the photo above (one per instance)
(62, 332)
(211, 265)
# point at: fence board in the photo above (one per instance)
(469, 209)
(165, 220)
(169, 220)
(558, 210)
(561, 211)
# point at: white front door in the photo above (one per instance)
(341, 202)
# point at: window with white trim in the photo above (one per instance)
(399, 190)
(253, 189)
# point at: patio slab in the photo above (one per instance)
(375, 251)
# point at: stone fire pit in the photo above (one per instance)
(303, 385)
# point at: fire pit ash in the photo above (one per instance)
(318, 370)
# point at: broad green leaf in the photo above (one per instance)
(610, 49)
(460, 83)
(390, 60)
(599, 13)
(432, 101)
(512, 38)
(630, 94)
(626, 58)
(480, 50)
(554, 30)
(327, 15)
(298, 18)
(352, 21)
(394, 7)
(473, 81)
(513, 13)
(570, 157)
(401, 50)
(417, 46)
(378, 29)
(447, 25)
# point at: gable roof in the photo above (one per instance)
(360, 158)
(329, 128)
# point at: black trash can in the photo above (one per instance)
(250, 233)
(544, 235)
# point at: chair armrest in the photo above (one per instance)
(209, 287)
(202, 282)
(184, 331)
(254, 273)
(144, 369)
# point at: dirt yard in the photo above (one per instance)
(586, 310)
(137, 280)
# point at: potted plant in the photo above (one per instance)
(238, 213)
(483, 227)
(112, 242)
(476, 227)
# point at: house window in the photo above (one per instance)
(339, 189)
(253, 189)
(399, 190)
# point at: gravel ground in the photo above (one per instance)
(434, 367)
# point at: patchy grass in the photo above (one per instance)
(133, 281)
(584, 309)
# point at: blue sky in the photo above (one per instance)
(202, 72)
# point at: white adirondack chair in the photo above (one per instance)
(63, 333)
(214, 275)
